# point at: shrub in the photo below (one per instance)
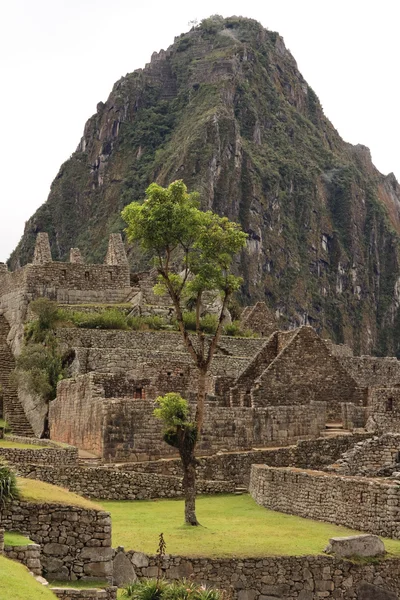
(108, 319)
(149, 589)
(8, 485)
(48, 314)
(234, 329)
(39, 368)
(153, 589)
(208, 323)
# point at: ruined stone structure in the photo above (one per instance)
(274, 390)
(357, 502)
(75, 542)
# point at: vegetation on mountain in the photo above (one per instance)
(226, 108)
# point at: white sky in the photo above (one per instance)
(59, 58)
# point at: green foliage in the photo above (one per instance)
(48, 315)
(174, 412)
(170, 225)
(108, 319)
(208, 323)
(8, 485)
(159, 589)
(39, 368)
(233, 329)
(172, 409)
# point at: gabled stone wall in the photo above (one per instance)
(305, 370)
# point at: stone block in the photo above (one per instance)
(367, 591)
(123, 570)
(356, 545)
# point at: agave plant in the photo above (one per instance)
(8, 485)
(153, 589)
(148, 589)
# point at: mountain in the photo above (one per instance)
(226, 109)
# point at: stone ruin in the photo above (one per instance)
(281, 399)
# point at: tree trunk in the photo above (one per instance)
(186, 451)
(201, 399)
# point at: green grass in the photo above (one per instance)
(33, 490)
(81, 584)
(231, 526)
(9, 444)
(18, 584)
(12, 538)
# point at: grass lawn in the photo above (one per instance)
(33, 490)
(80, 585)
(9, 444)
(232, 526)
(17, 584)
(12, 538)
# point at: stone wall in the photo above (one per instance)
(240, 393)
(384, 410)
(124, 429)
(150, 341)
(370, 371)
(75, 542)
(112, 484)
(280, 577)
(368, 457)
(162, 369)
(45, 456)
(236, 466)
(85, 594)
(27, 555)
(76, 417)
(305, 370)
(356, 502)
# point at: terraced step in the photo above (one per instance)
(13, 410)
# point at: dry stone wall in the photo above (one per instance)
(236, 466)
(112, 484)
(384, 410)
(356, 502)
(85, 594)
(305, 370)
(162, 341)
(370, 371)
(75, 542)
(57, 456)
(280, 577)
(368, 457)
(28, 555)
(124, 429)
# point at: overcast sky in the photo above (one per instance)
(59, 58)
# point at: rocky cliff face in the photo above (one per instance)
(226, 109)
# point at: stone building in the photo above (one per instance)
(272, 390)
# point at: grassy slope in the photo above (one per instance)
(18, 445)
(12, 538)
(33, 490)
(232, 526)
(15, 577)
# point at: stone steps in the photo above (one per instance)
(13, 410)
(334, 429)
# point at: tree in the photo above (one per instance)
(193, 253)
